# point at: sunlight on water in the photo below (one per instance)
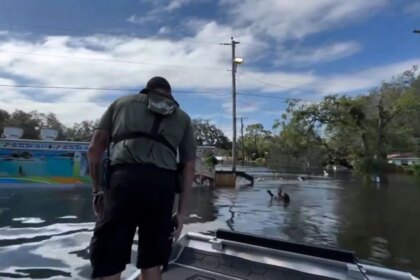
(45, 233)
(24, 220)
(68, 217)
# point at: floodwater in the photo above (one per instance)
(45, 232)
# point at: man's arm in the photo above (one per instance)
(98, 145)
(187, 180)
(187, 156)
(96, 150)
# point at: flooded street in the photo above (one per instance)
(44, 233)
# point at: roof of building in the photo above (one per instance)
(403, 156)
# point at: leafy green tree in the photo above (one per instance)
(296, 147)
(207, 134)
(82, 131)
(256, 141)
(27, 121)
(392, 100)
(331, 125)
(51, 121)
(4, 117)
(32, 122)
(359, 130)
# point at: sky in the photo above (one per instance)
(74, 57)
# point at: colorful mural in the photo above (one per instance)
(56, 162)
(26, 161)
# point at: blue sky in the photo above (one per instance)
(292, 49)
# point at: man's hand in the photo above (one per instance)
(180, 220)
(98, 203)
(187, 178)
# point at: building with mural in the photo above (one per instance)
(47, 161)
(42, 161)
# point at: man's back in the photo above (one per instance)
(134, 113)
(150, 132)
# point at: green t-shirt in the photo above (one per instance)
(136, 112)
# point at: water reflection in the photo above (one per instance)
(308, 218)
(381, 222)
(47, 204)
(45, 232)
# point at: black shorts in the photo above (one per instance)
(138, 197)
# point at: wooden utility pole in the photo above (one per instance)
(243, 142)
(233, 43)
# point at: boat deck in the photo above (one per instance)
(241, 256)
(194, 264)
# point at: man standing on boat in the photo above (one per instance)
(148, 131)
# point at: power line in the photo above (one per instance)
(105, 89)
(263, 46)
(58, 102)
(57, 28)
(67, 87)
(132, 34)
(251, 105)
(112, 60)
(90, 32)
(136, 90)
(263, 82)
(269, 96)
(280, 87)
(150, 64)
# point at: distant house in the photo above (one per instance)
(403, 158)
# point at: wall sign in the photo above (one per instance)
(43, 145)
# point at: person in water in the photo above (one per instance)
(280, 196)
(149, 132)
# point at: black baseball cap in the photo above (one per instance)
(158, 82)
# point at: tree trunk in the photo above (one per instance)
(380, 157)
(365, 143)
(383, 120)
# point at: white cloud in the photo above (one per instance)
(164, 30)
(83, 62)
(317, 55)
(274, 81)
(361, 80)
(285, 19)
(170, 5)
(10, 94)
(241, 108)
(276, 113)
(227, 126)
(413, 9)
(228, 129)
(212, 117)
(176, 4)
(62, 62)
(70, 108)
(160, 10)
(143, 19)
(67, 112)
(311, 86)
(32, 60)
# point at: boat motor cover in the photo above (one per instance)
(278, 244)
